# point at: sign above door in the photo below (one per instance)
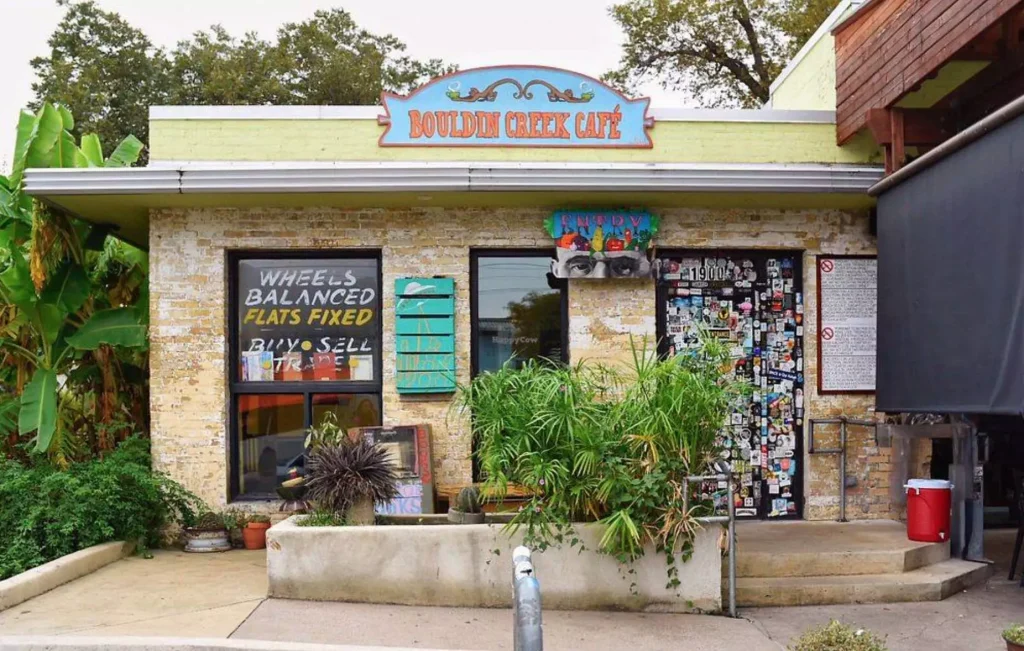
(515, 106)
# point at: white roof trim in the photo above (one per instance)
(826, 27)
(372, 112)
(455, 177)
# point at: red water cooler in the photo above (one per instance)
(928, 509)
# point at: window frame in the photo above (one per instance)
(474, 286)
(308, 388)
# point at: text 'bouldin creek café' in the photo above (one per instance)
(361, 261)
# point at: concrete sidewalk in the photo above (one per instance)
(173, 594)
(473, 629)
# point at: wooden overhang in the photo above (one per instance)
(890, 48)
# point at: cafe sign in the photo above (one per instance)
(515, 106)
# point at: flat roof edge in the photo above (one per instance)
(454, 177)
(159, 113)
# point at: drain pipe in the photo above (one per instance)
(527, 631)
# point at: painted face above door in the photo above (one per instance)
(753, 302)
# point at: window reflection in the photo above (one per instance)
(518, 310)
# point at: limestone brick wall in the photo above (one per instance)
(189, 280)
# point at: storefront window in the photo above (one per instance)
(518, 309)
(308, 320)
(305, 342)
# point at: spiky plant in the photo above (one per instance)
(468, 500)
(340, 475)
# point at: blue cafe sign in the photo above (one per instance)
(515, 106)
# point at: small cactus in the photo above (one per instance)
(468, 500)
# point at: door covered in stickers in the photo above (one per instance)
(754, 301)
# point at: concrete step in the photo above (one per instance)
(932, 582)
(787, 549)
(901, 556)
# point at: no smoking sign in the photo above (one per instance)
(827, 266)
(827, 334)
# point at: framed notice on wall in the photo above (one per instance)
(847, 323)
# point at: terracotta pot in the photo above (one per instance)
(255, 535)
(1013, 646)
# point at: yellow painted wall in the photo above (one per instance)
(356, 140)
(949, 77)
(812, 84)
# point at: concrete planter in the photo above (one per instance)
(470, 566)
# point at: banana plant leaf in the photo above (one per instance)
(92, 150)
(16, 280)
(117, 327)
(38, 412)
(9, 407)
(66, 153)
(69, 288)
(37, 134)
(48, 320)
(126, 153)
(67, 120)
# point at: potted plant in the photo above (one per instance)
(349, 477)
(1014, 637)
(467, 509)
(208, 534)
(234, 522)
(255, 532)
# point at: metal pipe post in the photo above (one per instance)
(842, 471)
(732, 548)
(527, 632)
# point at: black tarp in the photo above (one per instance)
(951, 282)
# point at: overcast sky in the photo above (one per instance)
(574, 34)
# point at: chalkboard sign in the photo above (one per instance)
(308, 320)
(847, 323)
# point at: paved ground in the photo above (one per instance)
(970, 620)
(197, 595)
(481, 628)
(222, 595)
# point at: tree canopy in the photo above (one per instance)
(107, 72)
(721, 52)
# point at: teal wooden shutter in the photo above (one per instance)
(425, 335)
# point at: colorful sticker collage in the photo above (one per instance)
(753, 302)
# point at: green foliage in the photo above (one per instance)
(210, 521)
(322, 518)
(327, 432)
(259, 518)
(1014, 634)
(835, 636)
(597, 443)
(49, 512)
(73, 305)
(722, 53)
(341, 474)
(108, 72)
(468, 500)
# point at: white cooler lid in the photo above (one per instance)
(929, 483)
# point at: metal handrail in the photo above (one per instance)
(842, 421)
(527, 629)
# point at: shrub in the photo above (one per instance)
(340, 474)
(597, 443)
(1014, 634)
(46, 512)
(835, 636)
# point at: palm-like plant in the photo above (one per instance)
(595, 442)
(340, 475)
